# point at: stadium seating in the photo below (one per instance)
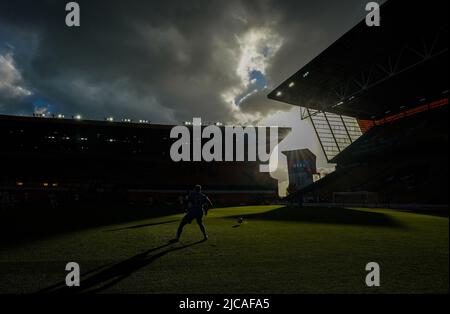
(405, 161)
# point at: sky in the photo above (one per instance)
(166, 61)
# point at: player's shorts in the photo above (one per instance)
(191, 216)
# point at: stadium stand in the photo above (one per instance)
(393, 80)
(50, 167)
(403, 161)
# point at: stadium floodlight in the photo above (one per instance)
(279, 93)
(291, 84)
(338, 104)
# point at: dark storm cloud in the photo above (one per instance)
(166, 61)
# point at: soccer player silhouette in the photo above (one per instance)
(196, 209)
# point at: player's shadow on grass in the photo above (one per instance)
(325, 215)
(112, 275)
(143, 225)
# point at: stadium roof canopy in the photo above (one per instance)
(374, 72)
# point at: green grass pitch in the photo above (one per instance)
(274, 250)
